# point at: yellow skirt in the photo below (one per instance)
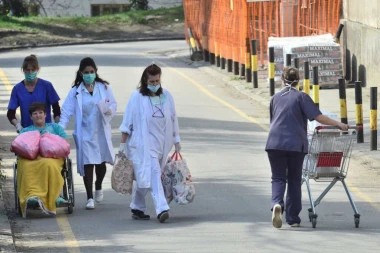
(41, 179)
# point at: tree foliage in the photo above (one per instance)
(139, 4)
(13, 7)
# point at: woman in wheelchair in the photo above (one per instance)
(39, 181)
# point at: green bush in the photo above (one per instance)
(38, 23)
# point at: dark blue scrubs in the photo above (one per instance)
(287, 145)
(43, 92)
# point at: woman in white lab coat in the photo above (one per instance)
(92, 102)
(149, 130)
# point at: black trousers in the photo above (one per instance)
(100, 171)
(287, 170)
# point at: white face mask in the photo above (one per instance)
(153, 88)
(288, 84)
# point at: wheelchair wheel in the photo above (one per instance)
(70, 209)
(17, 201)
(68, 187)
(71, 183)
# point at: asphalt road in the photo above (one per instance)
(223, 136)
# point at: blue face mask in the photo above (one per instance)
(30, 77)
(89, 78)
(154, 89)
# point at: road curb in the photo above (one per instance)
(6, 237)
(10, 48)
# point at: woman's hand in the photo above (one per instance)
(108, 112)
(122, 147)
(342, 126)
(177, 147)
(18, 127)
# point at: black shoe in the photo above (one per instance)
(163, 216)
(139, 215)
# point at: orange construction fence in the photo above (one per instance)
(225, 27)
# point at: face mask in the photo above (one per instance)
(154, 89)
(89, 78)
(290, 83)
(30, 77)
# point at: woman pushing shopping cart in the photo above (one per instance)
(287, 145)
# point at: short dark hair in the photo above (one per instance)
(37, 106)
(152, 70)
(291, 75)
(30, 60)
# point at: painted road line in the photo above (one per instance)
(68, 235)
(5, 81)
(363, 196)
(266, 128)
(62, 221)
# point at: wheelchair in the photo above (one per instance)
(68, 187)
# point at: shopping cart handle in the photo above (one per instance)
(335, 127)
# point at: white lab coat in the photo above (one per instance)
(73, 105)
(135, 124)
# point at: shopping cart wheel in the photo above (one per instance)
(314, 220)
(357, 220)
(310, 214)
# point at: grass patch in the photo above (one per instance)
(236, 78)
(37, 23)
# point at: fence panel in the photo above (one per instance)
(227, 24)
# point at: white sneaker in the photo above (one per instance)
(295, 225)
(276, 216)
(90, 204)
(99, 196)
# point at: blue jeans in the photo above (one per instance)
(286, 167)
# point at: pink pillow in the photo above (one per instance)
(54, 146)
(27, 144)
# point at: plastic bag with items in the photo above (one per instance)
(122, 174)
(54, 146)
(177, 181)
(27, 144)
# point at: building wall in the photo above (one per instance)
(154, 4)
(361, 41)
(62, 8)
(54, 8)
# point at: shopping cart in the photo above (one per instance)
(328, 160)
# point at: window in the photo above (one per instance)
(104, 9)
(95, 10)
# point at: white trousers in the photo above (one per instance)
(157, 191)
